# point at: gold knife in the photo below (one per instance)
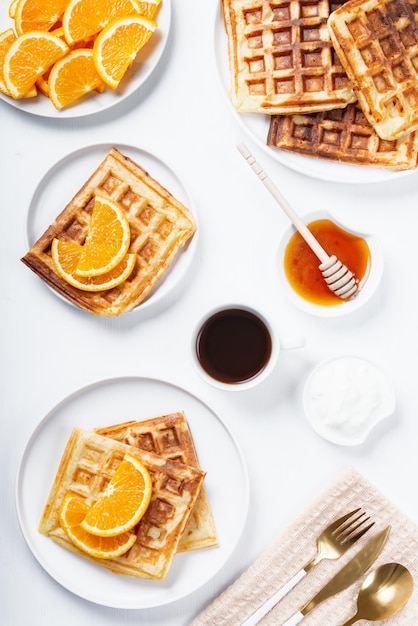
(346, 576)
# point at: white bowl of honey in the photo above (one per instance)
(299, 267)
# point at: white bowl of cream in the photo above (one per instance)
(344, 398)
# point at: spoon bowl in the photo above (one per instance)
(384, 593)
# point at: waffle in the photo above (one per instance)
(281, 58)
(342, 135)
(160, 225)
(377, 42)
(169, 436)
(86, 467)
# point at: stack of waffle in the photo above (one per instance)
(178, 517)
(338, 80)
(160, 226)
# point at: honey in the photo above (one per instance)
(301, 265)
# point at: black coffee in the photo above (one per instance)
(233, 346)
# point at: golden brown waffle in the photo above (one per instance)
(86, 467)
(160, 226)
(281, 58)
(377, 42)
(169, 436)
(342, 135)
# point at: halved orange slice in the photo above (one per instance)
(7, 37)
(72, 77)
(72, 512)
(117, 46)
(66, 255)
(83, 18)
(37, 14)
(124, 501)
(107, 241)
(29, 57)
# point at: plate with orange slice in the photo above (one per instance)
(58, 185)
(107, 402)
(78, 57)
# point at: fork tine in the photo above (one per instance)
(339, 522)
(347, 532)
(350, 522)
(353, 538)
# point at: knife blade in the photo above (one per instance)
(351, 572)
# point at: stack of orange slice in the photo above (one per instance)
(105, 529)
(103, 261)
(68, 48)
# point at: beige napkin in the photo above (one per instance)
(297, 546)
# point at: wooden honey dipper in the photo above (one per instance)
(339, 279)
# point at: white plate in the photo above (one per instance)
(107, 402)
(144, 64)
(65, 178)
(257, 125)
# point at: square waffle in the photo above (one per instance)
(169, 436)
(160, 225)
(342, 135)
(86, 467)
(281, 58)
(377, 42)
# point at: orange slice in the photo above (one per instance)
(124, 502)
(149, 8)
(37, 14)
(83, 18)
(6, 40)
(7, 37)
(72, 77)
(72, 512)
(117, 45)
(66, 255)
(107, 241)
(29, 57)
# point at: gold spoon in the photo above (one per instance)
(384, 592)
(339, 279)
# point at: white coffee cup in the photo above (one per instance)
(235, 346)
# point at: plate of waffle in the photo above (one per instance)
(269, 61)
(158, 207)
(190, 528)
(143, 66)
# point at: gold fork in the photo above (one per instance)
(332, 543)
(339, 536)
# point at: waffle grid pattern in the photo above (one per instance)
(377, 42)
(281, 57)
(93, 472)
(165, 436)
(342, 135)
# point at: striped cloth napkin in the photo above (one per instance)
(296, 546)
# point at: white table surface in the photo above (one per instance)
(49, 349)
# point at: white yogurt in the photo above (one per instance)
(345, 397)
